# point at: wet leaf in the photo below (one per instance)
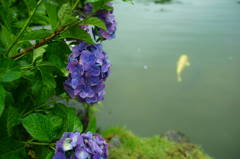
(36, 34)
(77, 33)
(9, 70)
(13, 119)
(11, 149)
(95, 21)
(38, 126)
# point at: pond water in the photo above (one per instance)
(143, 93)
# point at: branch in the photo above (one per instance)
(37, 143)
(41, 43)
(24, 27)
(45, 40)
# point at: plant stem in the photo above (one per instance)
(37, 143)
(86, 116)
(24, 27)
(76, 4)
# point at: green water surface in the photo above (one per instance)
(142, 91)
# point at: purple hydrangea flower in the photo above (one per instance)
(74, 145)
(87, 9)
(88, 69)
(107, 17)
(110, 21)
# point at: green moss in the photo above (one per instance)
(156, 147)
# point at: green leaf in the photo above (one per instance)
(92, 121)
(9, 99)
(76, 32)
(11, 75)
(52, 12)
(39, 127)
(56, 122)
(107, 7)
(47, 77)
(57, 54)
(9, 71)
(71, 121)
(44, 85)
(65, 14)
(41, 92)
(7, 13)
(77, 124)
(92, 125)
(64, 10)
(36, 34)
(13, 119)
(99, 4)
(6, 36)
(11, 149)
(30, 4)
(40, 19)
(38, 53)
(42, 152)
(2, 99)
(95, 21)
(49, 155)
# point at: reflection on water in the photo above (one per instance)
(162, 1)
(143, 93)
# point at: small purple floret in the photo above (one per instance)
(107, 17)
(110, 22)
(88, 69)
(74, 145)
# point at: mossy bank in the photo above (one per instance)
(123, 144)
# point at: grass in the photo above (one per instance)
(156, 147)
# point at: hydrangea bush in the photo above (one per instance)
(50, 54)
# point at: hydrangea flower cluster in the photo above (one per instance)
(88, 69)
(107, 17)
(111, 24)
(74, 145)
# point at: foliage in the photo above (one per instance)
(131, 146)
(35, 42)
